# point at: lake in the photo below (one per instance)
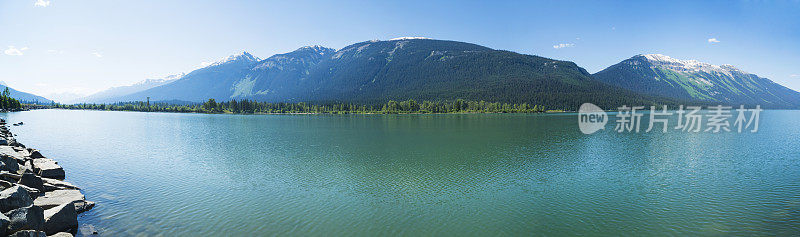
(412, 175)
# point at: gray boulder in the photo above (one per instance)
(13, 198)
(25, 218)
(35, 154)
(31, 180)
(5, 184)
(4, 221)
(29, 233)
(11, 177)
(26, 166)
(15, 143)
(10, 151)
(60, 218)
(49, 187)
(6, 178)
(31, 191)
(59, 197)
(8, 163)
(9, 159)
(83, 206)
(48, 168)
(43, 160)
(22, 151)
(54, 184)
(62, 234)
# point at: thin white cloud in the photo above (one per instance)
(795, 75)
(13, 51)
(563, 45)
(42, 3)
(96, 54)
(53, 51)
(713, 40)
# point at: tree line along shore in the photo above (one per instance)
(255, 107)
(35, 201)
(9, 104)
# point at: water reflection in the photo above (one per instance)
(488, 174)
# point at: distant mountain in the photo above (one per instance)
(397, 69)
(214, 81)
(23, 96)
(108, 95)
(425, 69)
(65, 97)
(660, 75)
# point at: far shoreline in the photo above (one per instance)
(310, 113)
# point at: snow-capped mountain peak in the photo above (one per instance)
(301, 56)
(313, 47)
(668, 62)
(174, 76)
(408, 38)
(241, 56)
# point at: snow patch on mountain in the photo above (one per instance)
(174, 76)
(362, 48)
(243, 87)
(160, 81)
(241, 56)
(307, 55)
(408, 38)
(316, 48)
(341, 52)
(689, 66)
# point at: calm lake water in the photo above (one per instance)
(411, 175)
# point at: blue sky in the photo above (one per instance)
(89, 45)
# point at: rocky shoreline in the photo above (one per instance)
(35, 201)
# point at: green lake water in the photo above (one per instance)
(418, 175)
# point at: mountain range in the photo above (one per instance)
(661, 75)
(427, 69)
(24, 96)
(397, 69)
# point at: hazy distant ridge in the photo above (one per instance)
(109, 95)
(24, 96)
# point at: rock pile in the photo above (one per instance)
(35, 201)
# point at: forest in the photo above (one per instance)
(254, 107)
(7, 103)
